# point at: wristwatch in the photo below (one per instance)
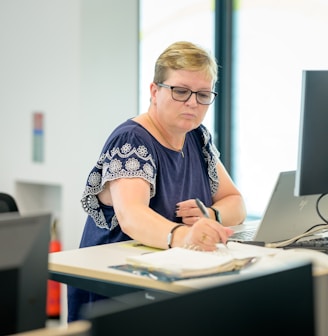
(217, 215)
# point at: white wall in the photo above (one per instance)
(77, 62)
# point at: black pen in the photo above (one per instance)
(204, 211)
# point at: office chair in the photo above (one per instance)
(7, 203)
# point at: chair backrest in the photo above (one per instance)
(7, 203)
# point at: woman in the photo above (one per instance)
(153, 168)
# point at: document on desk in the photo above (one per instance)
(180, 263)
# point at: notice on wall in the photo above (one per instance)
(38, 137)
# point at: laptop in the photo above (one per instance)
(286, 215)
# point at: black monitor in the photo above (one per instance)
(277, 302)
(24, 246)
(312, 164)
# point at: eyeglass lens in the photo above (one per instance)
(183, 94)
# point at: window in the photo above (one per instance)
(273, 42)
(164, 22)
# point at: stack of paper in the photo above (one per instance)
(183, 263)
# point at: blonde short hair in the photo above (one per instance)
(185, 55)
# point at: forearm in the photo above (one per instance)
(145, 225)
(232, 210)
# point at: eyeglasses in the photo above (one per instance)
(182, 94)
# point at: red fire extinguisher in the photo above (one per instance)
(53, 294)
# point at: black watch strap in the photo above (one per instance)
(217, 215)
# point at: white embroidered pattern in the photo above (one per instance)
(129, 162)
(126, 161)
(212, 156)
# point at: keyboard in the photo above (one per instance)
(243, 235)
(319, 244)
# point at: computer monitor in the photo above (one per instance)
(24, 246)
(312, 164)
(276, 302)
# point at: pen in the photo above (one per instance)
(202, 208)
(204, 211)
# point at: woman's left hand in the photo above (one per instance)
(188, 211)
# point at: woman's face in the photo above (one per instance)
(175, 115)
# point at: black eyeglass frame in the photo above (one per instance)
(171, 87)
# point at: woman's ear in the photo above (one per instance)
(153, 92)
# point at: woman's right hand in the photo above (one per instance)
(203, 235)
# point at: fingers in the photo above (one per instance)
(190, 220)
(188, 210)
(205, 235)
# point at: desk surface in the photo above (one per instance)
(88, 268)
(93, 263)
(83, 267)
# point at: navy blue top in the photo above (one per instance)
(131, 151)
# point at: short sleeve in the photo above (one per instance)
(126, 154)
(211, 156)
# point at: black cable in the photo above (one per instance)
(318, 210)
(319, 213)
(325, 220)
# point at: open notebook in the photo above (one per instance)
(286, 215)
(180, 263)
